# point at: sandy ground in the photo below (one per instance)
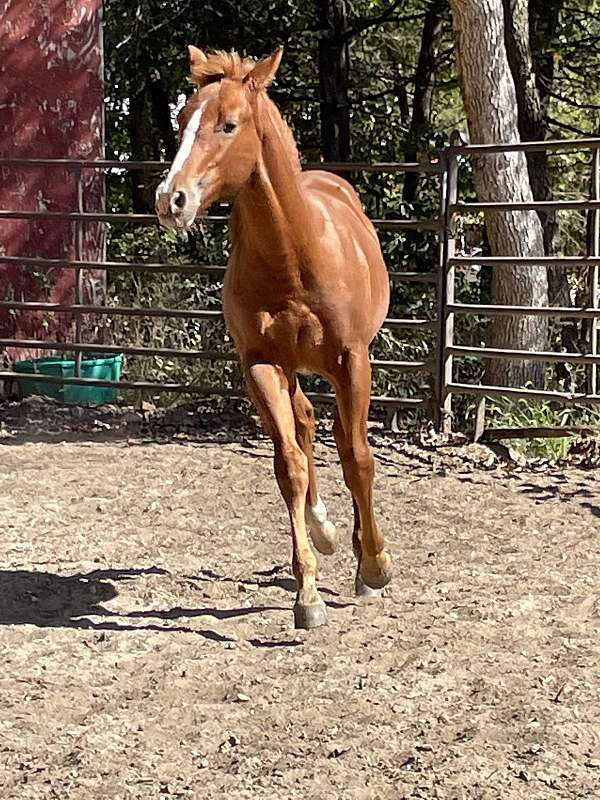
(147, 642)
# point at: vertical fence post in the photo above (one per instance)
(448, 197)
(78, 272)
(594, 250)
(438, 391)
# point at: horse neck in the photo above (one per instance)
(270, 212)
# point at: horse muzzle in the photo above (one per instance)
(176, 209)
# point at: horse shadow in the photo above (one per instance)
(579, 494)
(45, 421)
(48, 600)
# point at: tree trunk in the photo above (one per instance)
(532, 90)
(491, 106)
(531, 117)
(161, 113)
(424, 85)
(336, 143)
(543, 26)
(530, 28)
(144, 145)
(51, 106)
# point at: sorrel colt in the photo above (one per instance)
(306, 290)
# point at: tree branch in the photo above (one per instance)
(445, 57)
(168, 21)
(573, 70)
(574, 103)
(571, 128)
(363, 23)
(450, 83)
(366, 98)
(582, 13)
(285, 97)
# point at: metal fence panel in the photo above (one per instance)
(443, 163)
(78, 309)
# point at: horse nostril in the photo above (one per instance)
(179, 199)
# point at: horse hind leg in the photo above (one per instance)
(322, 531)
(360, 587)
(353, 385)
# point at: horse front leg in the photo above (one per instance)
(271, 392)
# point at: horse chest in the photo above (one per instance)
(294, 328)
(290, 334)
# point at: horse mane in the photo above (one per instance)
(219, 65)
(284, 133)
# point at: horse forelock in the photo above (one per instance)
(219, 65)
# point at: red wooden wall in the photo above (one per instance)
(51, 106)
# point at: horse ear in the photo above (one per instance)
(196, 56)
(261, 75)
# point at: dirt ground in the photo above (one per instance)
(147, 642)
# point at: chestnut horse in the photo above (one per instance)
(306, 290)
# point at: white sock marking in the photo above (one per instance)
(319, 511)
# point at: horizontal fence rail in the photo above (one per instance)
(548, 145)
(432, 165)
(83, 347)
(213, 219)
(190, 269)
(526, 261)
(167, 313)
(167, 352)
(511, 311)
(523, 355)
(480, 390)
(195, 388)
(534, 205)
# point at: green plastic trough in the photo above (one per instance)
(105, 368)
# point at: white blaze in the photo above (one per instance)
(185, 148)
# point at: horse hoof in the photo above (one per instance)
(362, 590)
(307, 617)
(324, 537)
(376, 571)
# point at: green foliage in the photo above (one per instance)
(146, 67)
(536, 414)
(170, 290)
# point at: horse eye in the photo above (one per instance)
(229, 127)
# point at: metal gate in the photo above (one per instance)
(448, 350)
